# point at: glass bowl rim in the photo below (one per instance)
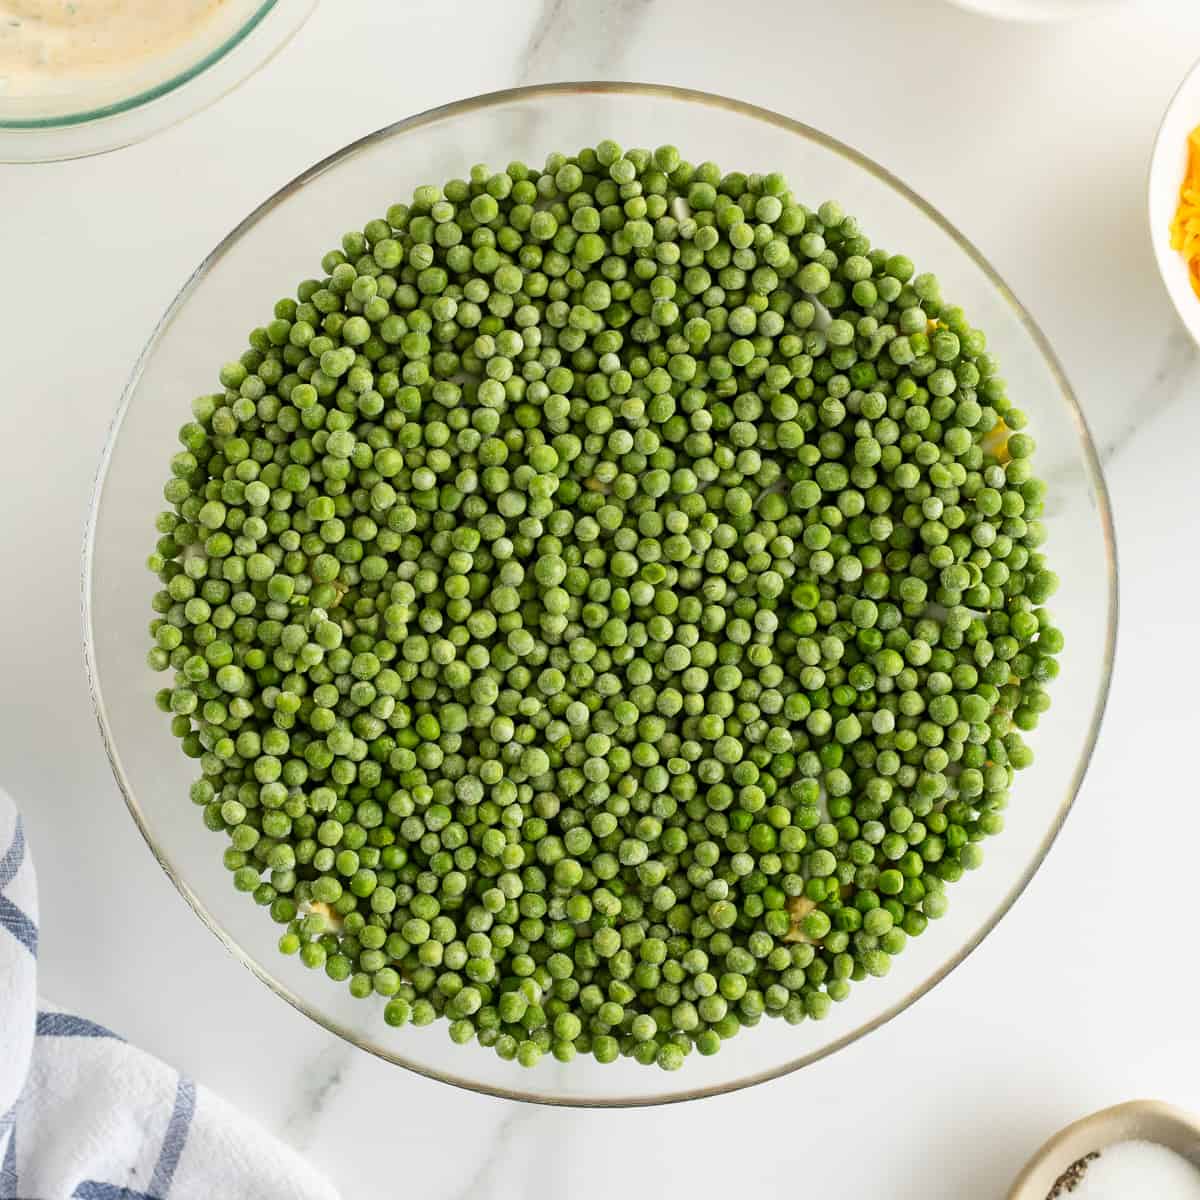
(787, 125)
(117, 107)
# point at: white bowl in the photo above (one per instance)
(1168, 161)
(1040, 10)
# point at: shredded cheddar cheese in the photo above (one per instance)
(995, 442)
(1185, 229)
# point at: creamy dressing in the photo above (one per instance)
(45, 42)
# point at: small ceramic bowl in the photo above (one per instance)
(1137, 1120)
(1168, 162)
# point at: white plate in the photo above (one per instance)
(1168, 162)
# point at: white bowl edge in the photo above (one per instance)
(1168, 161)
(1040, 12)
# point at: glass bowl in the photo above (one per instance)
(91, 112)
(281, 243)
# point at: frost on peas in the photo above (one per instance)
(605, 607)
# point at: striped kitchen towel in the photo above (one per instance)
(85, 1116)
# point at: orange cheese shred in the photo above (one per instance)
(1185, 228)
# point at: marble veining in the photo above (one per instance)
(322, 1076)
(1174, 378)
(570, 40)
(515, 1120)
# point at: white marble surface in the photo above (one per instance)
(1034, 142)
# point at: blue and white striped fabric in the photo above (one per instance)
(85, 1116)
